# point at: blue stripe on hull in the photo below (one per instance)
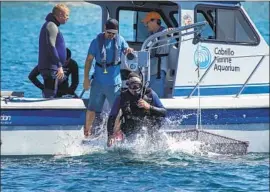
(42, 117)
(74, 119)
(41, 128)
(206, 91)
(221, 116)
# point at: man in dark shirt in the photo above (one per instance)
(71, 67)
(139, 107)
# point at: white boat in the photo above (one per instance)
(230, 87)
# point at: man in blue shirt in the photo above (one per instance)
(139, 107)
(106, 49)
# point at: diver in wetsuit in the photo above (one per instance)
(139, 106)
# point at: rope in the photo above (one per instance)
(199, 113)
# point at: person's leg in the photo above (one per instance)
(97, 126)
(111, 92)
(95, 105)
(50, 89)
(158, 84)
(90, 116)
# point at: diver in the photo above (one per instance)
(140, 107)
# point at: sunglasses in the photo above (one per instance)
(110, 33)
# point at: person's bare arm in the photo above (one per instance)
(87, 67)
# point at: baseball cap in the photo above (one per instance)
(151, 15)
(112, 25)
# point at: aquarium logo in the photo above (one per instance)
(202, 57)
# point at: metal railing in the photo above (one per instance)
(249, 77)
(175, 33)
(246, 81)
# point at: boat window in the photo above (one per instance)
(175, 18)
(208, 32)
(131, 26)
(225, 25)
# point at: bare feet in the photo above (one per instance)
(86, 132)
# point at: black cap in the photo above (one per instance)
(133, 78)
(133, 74)
(111, 24)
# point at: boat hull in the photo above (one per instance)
(66, 142)
(57, 130)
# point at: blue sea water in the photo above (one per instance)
(114, 170)
(127, 171)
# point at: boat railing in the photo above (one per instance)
(251, 74)
(246, 81)
(172, 34)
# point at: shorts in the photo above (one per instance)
(99, 93)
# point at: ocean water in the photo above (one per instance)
(123, 170)
(177, 168)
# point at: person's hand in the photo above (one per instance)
(118, 136)
(143, 104)
(128, 50)
(86, 84)
(110, 141)
(60, 73)
(169, 29)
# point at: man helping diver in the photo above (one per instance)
(139, 106)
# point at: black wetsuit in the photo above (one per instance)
(133, 117)
(63, 88)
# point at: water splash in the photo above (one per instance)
(143, 144)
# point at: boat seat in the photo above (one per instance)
(12, 94)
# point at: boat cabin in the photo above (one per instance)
(229, 49)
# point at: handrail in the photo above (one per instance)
(198, 26)
(172, 31)
(249, 77)
(171, 38)
(247, 80)
(83, 91)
